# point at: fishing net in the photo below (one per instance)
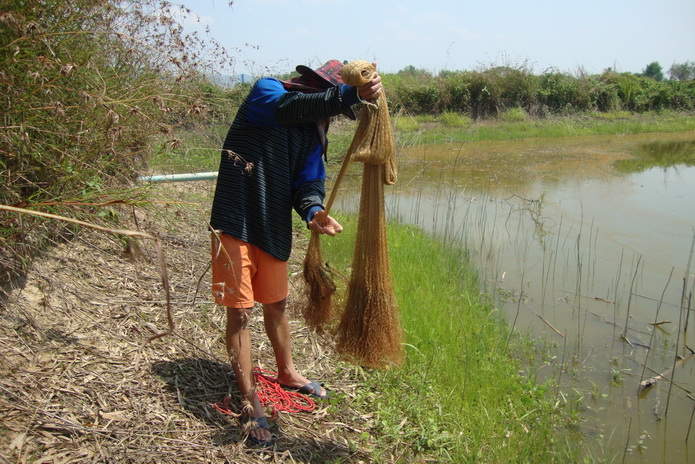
(319, 288)
(369, 332)
(370, 328)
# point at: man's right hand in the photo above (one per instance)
(325, 224)
(371, 90)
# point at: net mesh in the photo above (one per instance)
(369, 332)
(319, 288)
(370, 328)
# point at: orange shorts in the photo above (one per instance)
(245, 274)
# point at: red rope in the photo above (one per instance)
(271, 394)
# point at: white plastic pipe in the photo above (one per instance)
(180, 177)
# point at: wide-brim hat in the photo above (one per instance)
(325, 77)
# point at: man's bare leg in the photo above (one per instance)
(277, 327)
(238, 342)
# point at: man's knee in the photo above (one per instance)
(238, 317)
(278, 306)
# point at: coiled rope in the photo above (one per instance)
(271, 395)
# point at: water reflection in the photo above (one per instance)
(585, 256)
(659, 154)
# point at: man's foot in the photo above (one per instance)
(312, 388)
(254, 415)
(260, 431)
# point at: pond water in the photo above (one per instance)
(586, 258)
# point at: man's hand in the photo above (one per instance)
(324, 224)
(371, 89)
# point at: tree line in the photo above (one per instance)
(489, 92)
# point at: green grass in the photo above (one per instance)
(451, 119)
(195, 150)
(405, 123)
(514, 115)
(460, 396)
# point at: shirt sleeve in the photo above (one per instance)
(271, 105)
(307, 183)
(263, 102)
(308, 198)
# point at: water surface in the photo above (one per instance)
(585, 249)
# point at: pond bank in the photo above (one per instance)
(419, 130)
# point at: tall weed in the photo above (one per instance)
(87, 87)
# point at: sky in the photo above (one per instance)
(273, 36)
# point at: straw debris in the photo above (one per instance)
(78, 383)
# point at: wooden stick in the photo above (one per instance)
(338, 180)
(663, 375)
(690, 424)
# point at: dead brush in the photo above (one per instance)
(75, 124)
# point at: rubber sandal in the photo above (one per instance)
(310, 389)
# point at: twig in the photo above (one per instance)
(687, 435)
(629, 297)
(662, 376)
(685, 281)
(678, 336)
(627, 441)
(518, 306)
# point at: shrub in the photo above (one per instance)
(455, 93)
(415, 96)
(484, 94)
(514, 115)
(560, 91)
(605, 93)
(87, 85)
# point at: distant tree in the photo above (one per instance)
(682, 71)
(654, 71)
(412, 71)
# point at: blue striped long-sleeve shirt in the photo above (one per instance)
(271, 163)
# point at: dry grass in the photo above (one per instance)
(78, 385)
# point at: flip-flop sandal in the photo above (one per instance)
(260, 423)
(310, 389)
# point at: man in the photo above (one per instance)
(272, 162)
